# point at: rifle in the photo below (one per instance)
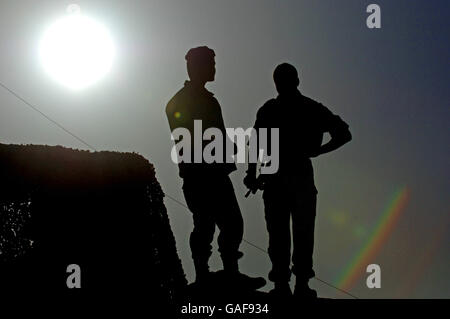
(260, 184)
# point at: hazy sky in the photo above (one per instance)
(391, 85)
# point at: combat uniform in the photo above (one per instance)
(291, 192)
(207, 187)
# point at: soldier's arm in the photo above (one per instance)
(339, 132)
(251, 170)
(252, 167)
(220, 124)
(218, 117)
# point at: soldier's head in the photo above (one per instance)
(201, 65)
(286, 78)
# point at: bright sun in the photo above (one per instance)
(76, 50)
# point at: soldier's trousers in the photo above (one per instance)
(212, 202)
(284, 200)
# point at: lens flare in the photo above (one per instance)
(376, 240)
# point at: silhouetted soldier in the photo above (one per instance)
(291, 191)
(207, 187)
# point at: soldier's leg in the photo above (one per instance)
(278, 225)
(230, 222)
(200, 242)
(204, 227)
(303, 224)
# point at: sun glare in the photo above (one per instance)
(76, 50)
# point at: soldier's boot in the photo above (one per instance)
(231, 271)
(281, 290)
(303, 291)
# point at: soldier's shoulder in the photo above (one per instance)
(316, 107)
(175, 101)
(267, 107)
(311, 101)
(270, 103)
(212, 99)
